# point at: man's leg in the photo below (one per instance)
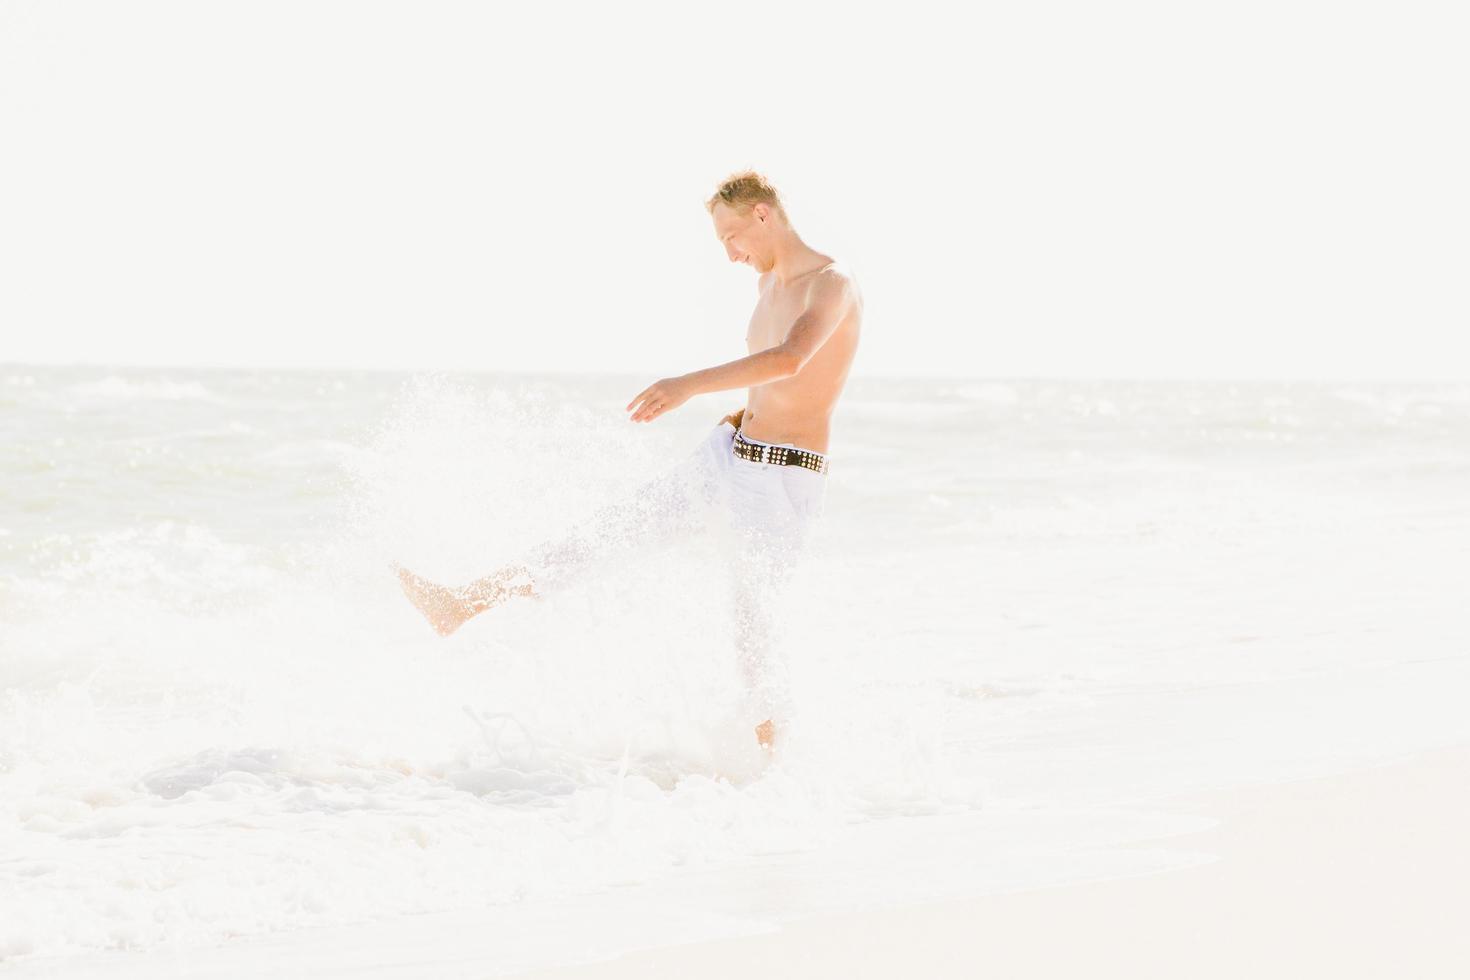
(772, 509)
(759, 577)
(670, 505)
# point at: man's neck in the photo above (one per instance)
(793, 258)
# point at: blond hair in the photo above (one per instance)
(743, 191)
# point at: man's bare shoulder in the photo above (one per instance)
(833, 283)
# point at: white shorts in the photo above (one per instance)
(764, 512)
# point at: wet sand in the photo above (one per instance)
(1362, 874)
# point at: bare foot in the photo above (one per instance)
(446, 609)
(765, 733)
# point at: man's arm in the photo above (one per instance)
(771, 364)
(826, 304)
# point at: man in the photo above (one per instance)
(764, 466)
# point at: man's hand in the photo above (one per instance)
(734, 418)
(660, 397)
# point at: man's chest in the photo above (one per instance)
(774, 313)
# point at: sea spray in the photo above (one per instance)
(221, 718)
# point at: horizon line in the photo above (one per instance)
(604, 373)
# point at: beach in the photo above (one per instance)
(1077, 659)
(1356, 875)
(1362, 874)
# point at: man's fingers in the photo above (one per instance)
(647, 411)
(648, 397)
(648, 393)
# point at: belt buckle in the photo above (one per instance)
(754, 452)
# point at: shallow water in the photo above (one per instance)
(219, 717)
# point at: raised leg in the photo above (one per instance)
(674, 504)
(664, 508)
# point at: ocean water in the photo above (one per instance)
(1031, 608)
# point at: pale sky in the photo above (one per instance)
(1122, 190)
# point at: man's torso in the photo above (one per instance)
(799, 409)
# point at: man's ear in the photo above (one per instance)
(761, 210)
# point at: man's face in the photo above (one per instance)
(746, 237)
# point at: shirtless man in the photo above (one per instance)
(802, 338)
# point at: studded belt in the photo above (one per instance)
(779, 455)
